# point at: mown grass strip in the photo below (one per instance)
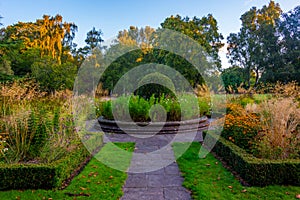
(208, 179)
(96, 181)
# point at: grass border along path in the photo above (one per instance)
(96, 181)
(207, 179)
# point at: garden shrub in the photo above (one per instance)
(246, 100)
(255, 171)
(204, 106)
(138, 109)
(103, 108)
(240, 126)
(33, 130)
(269, 128)
(21, 129)
(173, 110)
(41, 176)
(181, 108)
(36, 124)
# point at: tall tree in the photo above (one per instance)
(133, 37)
(94, 38)
(255, 46)
(25, 42)
(289, 27)
(147, 41)
(204, 31)
(53, 76)
(49, 34)
(233, 77)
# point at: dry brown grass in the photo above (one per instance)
(291, 89)
(24, 110)
(21, 90)
(280, 134)
(280, 122)
(20, 136)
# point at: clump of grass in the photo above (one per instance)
(280, 134)
(275, 131)
(20, 135)
(37, 125)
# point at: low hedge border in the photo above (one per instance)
(255, 171)
(42, 176)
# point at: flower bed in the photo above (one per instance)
(160, 114)
(184, 107)
(156, 127)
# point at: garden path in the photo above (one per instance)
(154, 174)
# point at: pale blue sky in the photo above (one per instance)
(113, 15)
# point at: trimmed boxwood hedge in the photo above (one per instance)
(41, 176)
(255, 171)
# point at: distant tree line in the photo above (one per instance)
(266, 49)
(44, 50)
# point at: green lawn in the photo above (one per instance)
(96, 181)
(208, 179)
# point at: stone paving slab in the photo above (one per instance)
(176, 193)
(153, 173)
(143, 194)
(165, 183)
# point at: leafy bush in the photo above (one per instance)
(26, 135)
(240, 126)
(255, 171)
(138, 109)
(270, 129)
(41, 176)
(204, 106)
(53, 76)
(184, 107)
(103, 108)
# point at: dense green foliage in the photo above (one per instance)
(144, 49)
(176, 109)
(41, 176)
(53, 76)
(267, 45)
(204, 31)
(96, 181)
(233, 77)
(257, 172)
